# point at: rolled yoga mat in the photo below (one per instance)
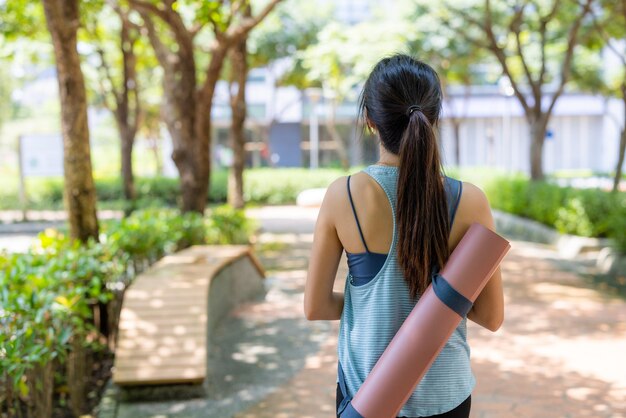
(428, 327)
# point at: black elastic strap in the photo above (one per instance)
(358, 224)
(344, 391)
(450, 297)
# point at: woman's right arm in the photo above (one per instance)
(488, 309)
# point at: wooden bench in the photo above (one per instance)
(169, 311)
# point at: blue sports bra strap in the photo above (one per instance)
(457, 199)
(358, 224)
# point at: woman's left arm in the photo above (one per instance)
(320, 302)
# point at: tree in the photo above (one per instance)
(342, 59)
(453, 58)
(188, 103)
(526, 38)
(237, 84)
(278, 44)
(120, 87)
(610, 25)
(63, 21)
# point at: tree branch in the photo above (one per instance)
(543, 24)
(236, 33)
(491, 44)
(569, 54)
(606, 38)
(170, 17)
(515, 27)
(501, 56)
(197, 27)
(161, 51)
(107, 73)
(471, 20)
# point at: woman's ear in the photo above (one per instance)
(370, 125)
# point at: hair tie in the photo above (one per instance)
(412, 109)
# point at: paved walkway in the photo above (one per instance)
(560, 353)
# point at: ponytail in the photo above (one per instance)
(402, 99)
(421, 216)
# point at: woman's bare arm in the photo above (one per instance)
(488, 309)
(320, 302)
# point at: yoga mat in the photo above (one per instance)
(428, 327)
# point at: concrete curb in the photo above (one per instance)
(571, 247)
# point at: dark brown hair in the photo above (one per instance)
(402, 100)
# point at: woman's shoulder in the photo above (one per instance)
(336, 198)
(474, 195)
(474, 205)
(337, 190)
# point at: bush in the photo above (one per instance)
(616, 220)
(282, 186)
(48, 296)
(226, 225)
(586, 212)
(47, 301)
(508, 194)
(260, 186)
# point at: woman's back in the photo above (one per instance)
(375, 309)
(376, 218)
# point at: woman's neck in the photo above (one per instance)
(387, 158)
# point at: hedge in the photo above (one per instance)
(52, 298)
(585, 212)
(260, 186)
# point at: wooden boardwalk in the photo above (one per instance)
(166, 314)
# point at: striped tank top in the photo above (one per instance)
(374, 311)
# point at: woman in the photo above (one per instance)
(398, 220)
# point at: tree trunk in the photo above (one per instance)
(128, 140)
(538, 127)
(180, 116)
(238, 58)
(40, 383)
(203, 131)
(77, 376)
(62, 17)
(188, 109)
(128, 106)
(622, 147)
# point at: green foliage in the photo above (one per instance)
(47, 295)
(151, 191)
(585, 212)
(228, 226)
(508, 194)
(291, 29)
(617, 220)
(261, 185)
(46, 298)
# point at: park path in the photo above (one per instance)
(561, 351)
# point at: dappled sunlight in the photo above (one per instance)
(251, 353)
(559, 347)
(540, 389)
(287, 238)
(562, 343)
